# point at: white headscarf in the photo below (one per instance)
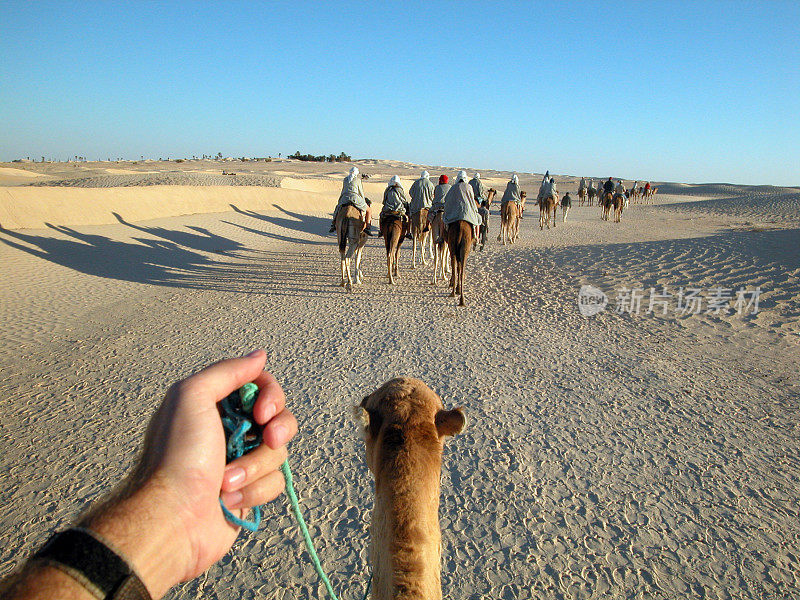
(462, 176)
(395, 180)
(425, 175)
(352, 174)
(477, 175)
(514, 178)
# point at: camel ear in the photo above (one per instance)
(369, 421)
(450, 422)
(361, 416)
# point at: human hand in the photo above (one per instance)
(175, 488)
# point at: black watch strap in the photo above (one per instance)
(84, 557)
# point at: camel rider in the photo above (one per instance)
(394, 201)
(552, 191)
(478, 189)
(512, 193)
(459, 204)
(647, 188)
(608, 187)
(439, 192)
(543, 187)
(619, 190)
(546, 189)
(353, 194)
(421, 192)
(582, 185)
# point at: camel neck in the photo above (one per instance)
(406, 541)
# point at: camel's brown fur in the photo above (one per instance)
(606, 202)
(459, 241)
(419, 234)
(619, 204)
(490, 196)
(547, 209)
(404, 426)
(351, 238)
(509, 222)
(440, 250)
(393, 230)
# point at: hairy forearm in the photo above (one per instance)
(139, 526)
(39, 581)
(143, 528)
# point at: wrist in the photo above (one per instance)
(145, 530)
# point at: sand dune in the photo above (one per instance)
(30, 207)
(11, 176)
(11, 172)
(619, 456)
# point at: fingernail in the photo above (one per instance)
(269, 412)
(232, 499)
(281, 434)
(253, 353)
(234, 476)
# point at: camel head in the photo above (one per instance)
(404, 413)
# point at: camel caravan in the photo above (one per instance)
(445, 222)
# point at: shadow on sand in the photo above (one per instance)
(298, 222)
(165, 262)
(204, 240)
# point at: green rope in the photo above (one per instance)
(287, 474)
(246, 397)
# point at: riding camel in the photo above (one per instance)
(490, 195)
(582, 196)
(619, 205)
(592, 194)
(606, 202)
(352, 238)
(547, 209)
(460, 239)
(509, 222)
(393, 230)
(440, 250)
(404, 425)
(420, 232)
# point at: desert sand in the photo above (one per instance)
(621, 455)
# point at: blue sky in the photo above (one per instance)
(695, 92)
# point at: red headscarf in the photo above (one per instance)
(442, 179)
